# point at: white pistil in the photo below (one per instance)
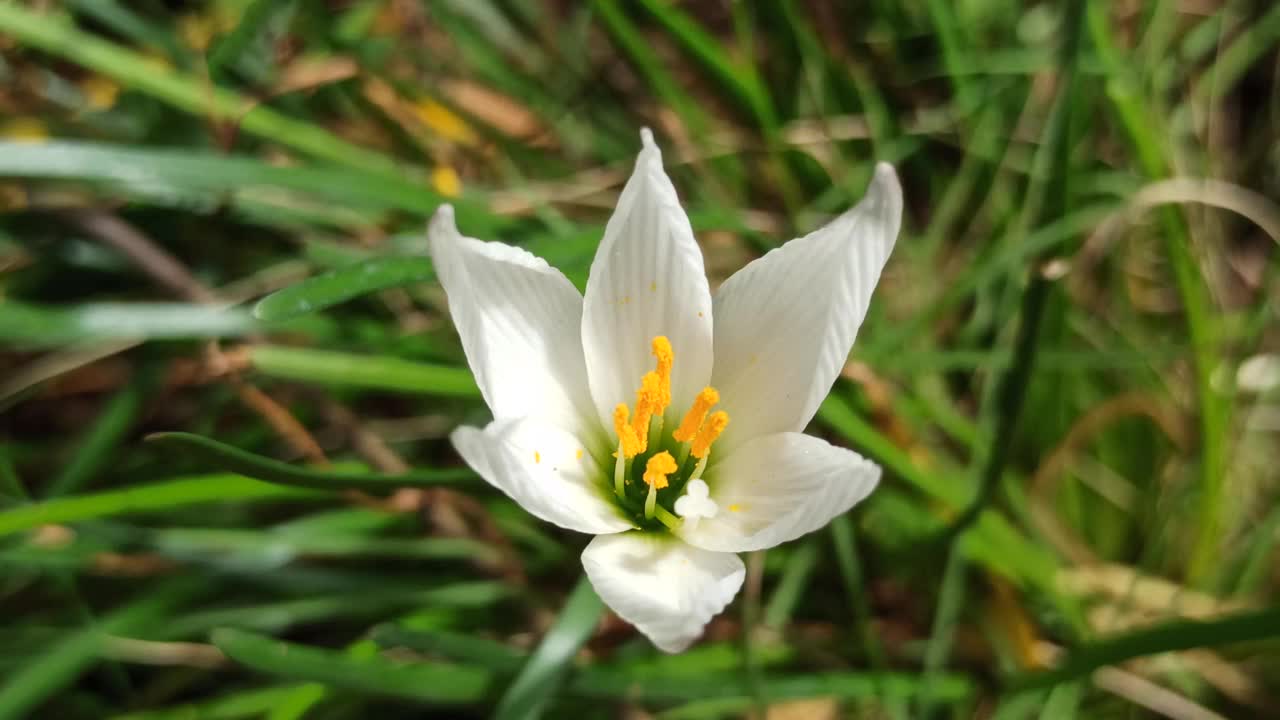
(696, 503)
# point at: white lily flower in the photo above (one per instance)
(670, 495)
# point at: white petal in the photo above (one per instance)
(778, 487)
(544, 469)
(519, 320)
(647, 279)
(785, 322)
(667, 589)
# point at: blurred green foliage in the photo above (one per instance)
(211, 235)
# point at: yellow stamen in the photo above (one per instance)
(708, 433)
(658, 468)
(693, 419)
(662, 351)
(628, 441)
(648, 402)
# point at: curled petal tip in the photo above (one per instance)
(442, 222)
(885, 193)
(646, 138)
(885, 178)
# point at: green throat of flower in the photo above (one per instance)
(652, 467)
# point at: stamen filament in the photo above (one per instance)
(655, 430)
(656, 471)
(666, 518)
(698, 469)
(684, 454)
(619, 473)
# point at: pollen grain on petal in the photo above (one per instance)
(658, 468)
(702, 404)
(708, 433)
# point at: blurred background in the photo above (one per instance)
(1069, 370)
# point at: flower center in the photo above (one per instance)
(651, 469)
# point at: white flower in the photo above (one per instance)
(559, 371)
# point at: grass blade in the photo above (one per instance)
(363, 371)
(38, 326)
(427, 682)
(183, 92)
(528, 696)
(45, 674)
(228, 458)
(195, 490)
(1260, 625)
(338, 286)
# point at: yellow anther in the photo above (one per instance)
(648, 403)
(693, 419)
(708, 433)
(658, 468)
(662, 351)
(628, 441)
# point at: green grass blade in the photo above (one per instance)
(184, 92)
(338, 286)
(225, 457)
(196, 490)
(1259, 625)
(427, 682)
(40, 326)
(419, 681)
(742, 81)
(229, 706)
(540, 678)
(102, 438)
(47, 673)
(375, 372)
(208, 179)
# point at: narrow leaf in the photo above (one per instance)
(226, 457)
(429, 682)
(528, 696)
(194, 490)
(337, 286)
(37, 326)
(362, 371)
(1166, 637)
